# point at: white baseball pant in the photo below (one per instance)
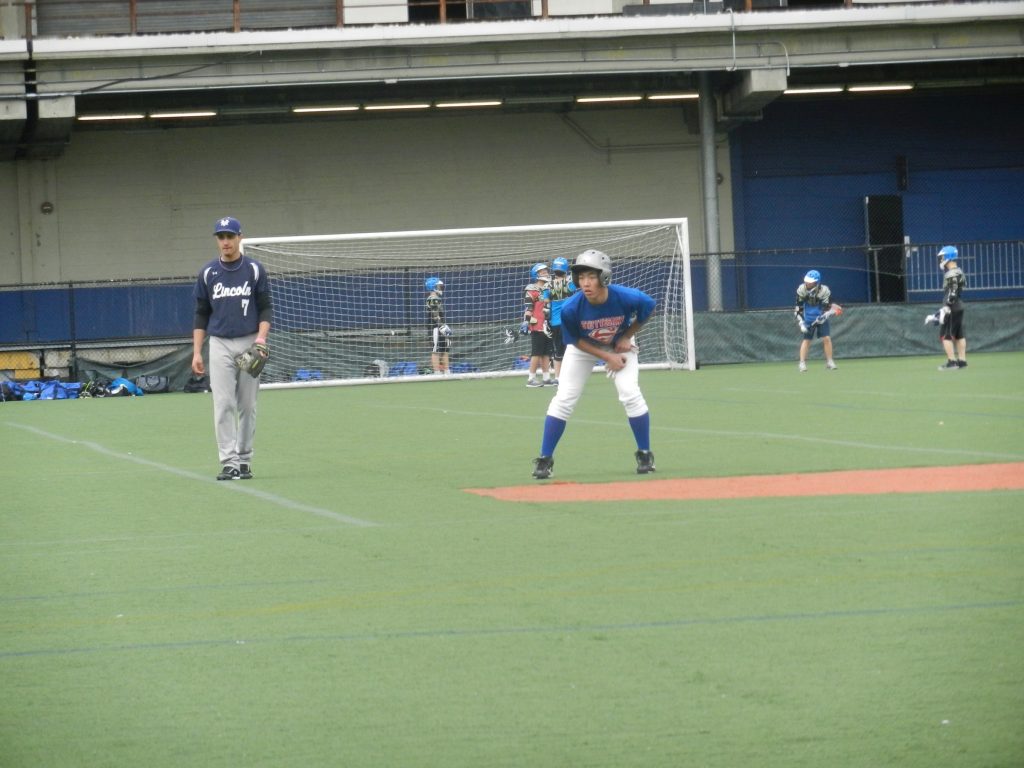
(577, 366)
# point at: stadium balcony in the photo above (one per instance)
(67, 18)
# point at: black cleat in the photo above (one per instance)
(961, 363)
(543, 466)
(949, 366)
(245, 471)
(229, 473)
(644, 462)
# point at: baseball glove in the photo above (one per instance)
(253, 360)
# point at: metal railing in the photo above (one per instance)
(58, 18)
(996, 265)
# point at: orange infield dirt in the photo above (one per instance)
(968, 477)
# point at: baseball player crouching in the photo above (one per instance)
(599, 324)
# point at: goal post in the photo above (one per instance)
(351, 308)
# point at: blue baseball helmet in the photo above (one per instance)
(814, 276)
(433, 283)
(948, 253)
(561, 264)
(536, 268)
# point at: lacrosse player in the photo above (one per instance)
(233, 308)
(599, 324)
(536, 319)
(439, 332)
(950, 318)
(814, 308)
(562, 287)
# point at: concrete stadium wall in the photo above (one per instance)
(141, 203)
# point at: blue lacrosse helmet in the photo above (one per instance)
(948, 253)
(814, 276)
(561, 264)
(433, 283)
(535, 270)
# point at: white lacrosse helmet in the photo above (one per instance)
(596, 260)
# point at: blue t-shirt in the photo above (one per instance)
(602, 324)
(233, 294)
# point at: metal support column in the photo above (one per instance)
(709, 188)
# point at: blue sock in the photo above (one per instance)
(641, 426)
(553, 429)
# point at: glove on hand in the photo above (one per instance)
(803, 327)
(445, 330)
(524, 328)
(254, 359)
(943, 314)
(509, 336)
(932, 319)
(547, 330)
(820, 320)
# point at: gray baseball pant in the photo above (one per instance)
(234, 400)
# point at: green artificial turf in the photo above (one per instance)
(353, 605)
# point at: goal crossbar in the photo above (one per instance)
(429, 233)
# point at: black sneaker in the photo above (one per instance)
(245, 472)
(644, 462)
(229, 473)
(949, 366)
(543, 466)
(961, 363)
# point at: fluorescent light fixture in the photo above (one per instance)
(322, 110)
(172, 115)
(526, 100)
(816, 89)
(458, 104)
(687, 96)
(605, 99)
(241, 110)
(383, 107)
(111, 117)
(880, 87)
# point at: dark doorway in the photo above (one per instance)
(883, 217)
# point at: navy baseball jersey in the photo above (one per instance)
(232, 293)
(601, 324)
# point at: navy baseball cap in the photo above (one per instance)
(227, 224)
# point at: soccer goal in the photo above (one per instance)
(351, 308)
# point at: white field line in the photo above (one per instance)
(237, 486)
(952, 451)
(870, 393)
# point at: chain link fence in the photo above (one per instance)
(78, 331)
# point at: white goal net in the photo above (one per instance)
(352, 308)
